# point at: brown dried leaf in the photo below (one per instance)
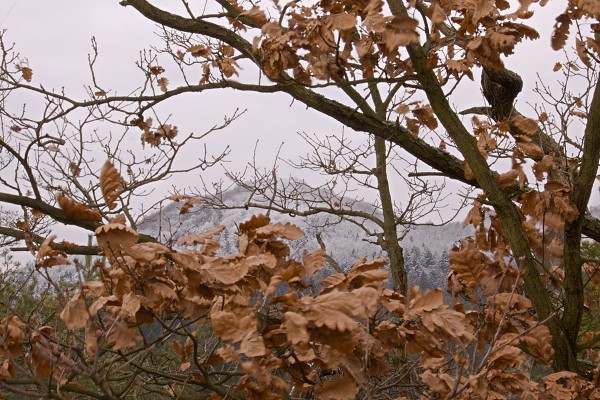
(185, 208)
(314, 261)
(77, 211)
(568, 209)
(115, 237)
(199, 50)
(120, 336)
(225, 271)
(526, 125)
(400, 31)
(231, 327)
(339, 388)
(200, 238)
(440, 383)
(130, 305)
(452, 323)
(341, 22)
(255, 222)
(93, 289)
(508, 178)
(91, 341)
(256, 15)
(178, 197)
(542, 166)
(425, 116)
(47, 249)
(12, 336)
(27, 73)
(162, 84)
(421, 303)
(334, 310)
(475, 215)
(111, 184)
(590, 7)
(253, 345)
(436, 14)
(506, 357)
(285, 231)
(156, 70)
(295, 328)
(530, 148)
(561, 31)
(75, 314)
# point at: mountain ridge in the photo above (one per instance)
(426, 248)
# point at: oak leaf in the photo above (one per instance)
(256, 15)
(440, 383)
(295, 326)
(530, 148)
(400, 31)
(200, 238)
(452, 323)
(253, 345)
(162, 84)
(91, 341)
(334, 310)
(115, 237)
(199, 50)
(425, 116)
(27, 73)
(542, 166)
(93, 289)
(156, 70)
(41, 348)
(341, 22)
(255, 222)
(227, 271)
(313, 262)
(231, 327)
(339, 388)
(47, 256)
(75, 314)
(120, 336)
(421, 303)
(130, 305)
(508, 178)
(286, 231)
(185, 208)
(111, 184)
(436, 14)
(12, 336)
(526, 125)
(561, 31)
(77, 211)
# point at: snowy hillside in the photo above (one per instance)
(426, 248)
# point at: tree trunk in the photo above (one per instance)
(390, 233)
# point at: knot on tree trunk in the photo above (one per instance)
(500, 89)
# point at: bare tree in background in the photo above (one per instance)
(346, 166)
(50, 160)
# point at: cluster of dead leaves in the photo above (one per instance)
(288, 335)
(155, 137)
(319, 40)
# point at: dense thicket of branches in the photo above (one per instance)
(150, 319)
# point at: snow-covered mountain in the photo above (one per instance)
(426, 248)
